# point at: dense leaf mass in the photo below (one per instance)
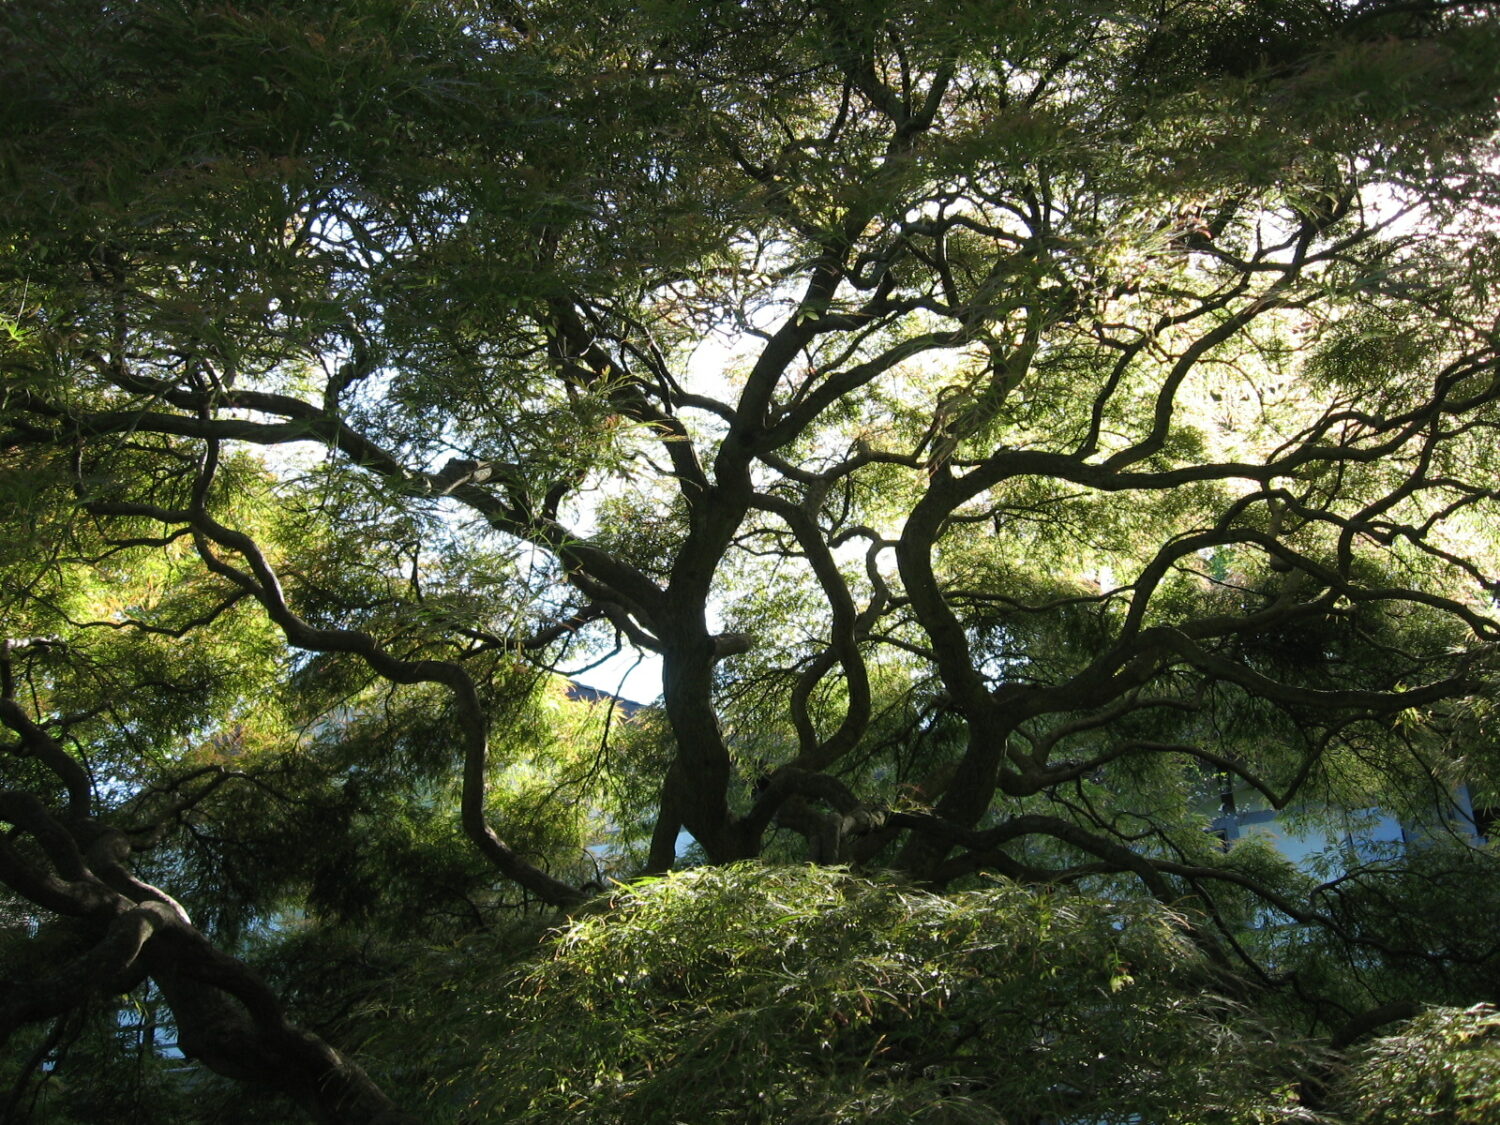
(1044, 457)
(802, 994)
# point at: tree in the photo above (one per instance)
(1008, 429)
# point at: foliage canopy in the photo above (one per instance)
(1019, 436)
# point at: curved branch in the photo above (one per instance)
(263, 585)
(844, 628)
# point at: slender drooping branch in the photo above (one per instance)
(262, 583)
